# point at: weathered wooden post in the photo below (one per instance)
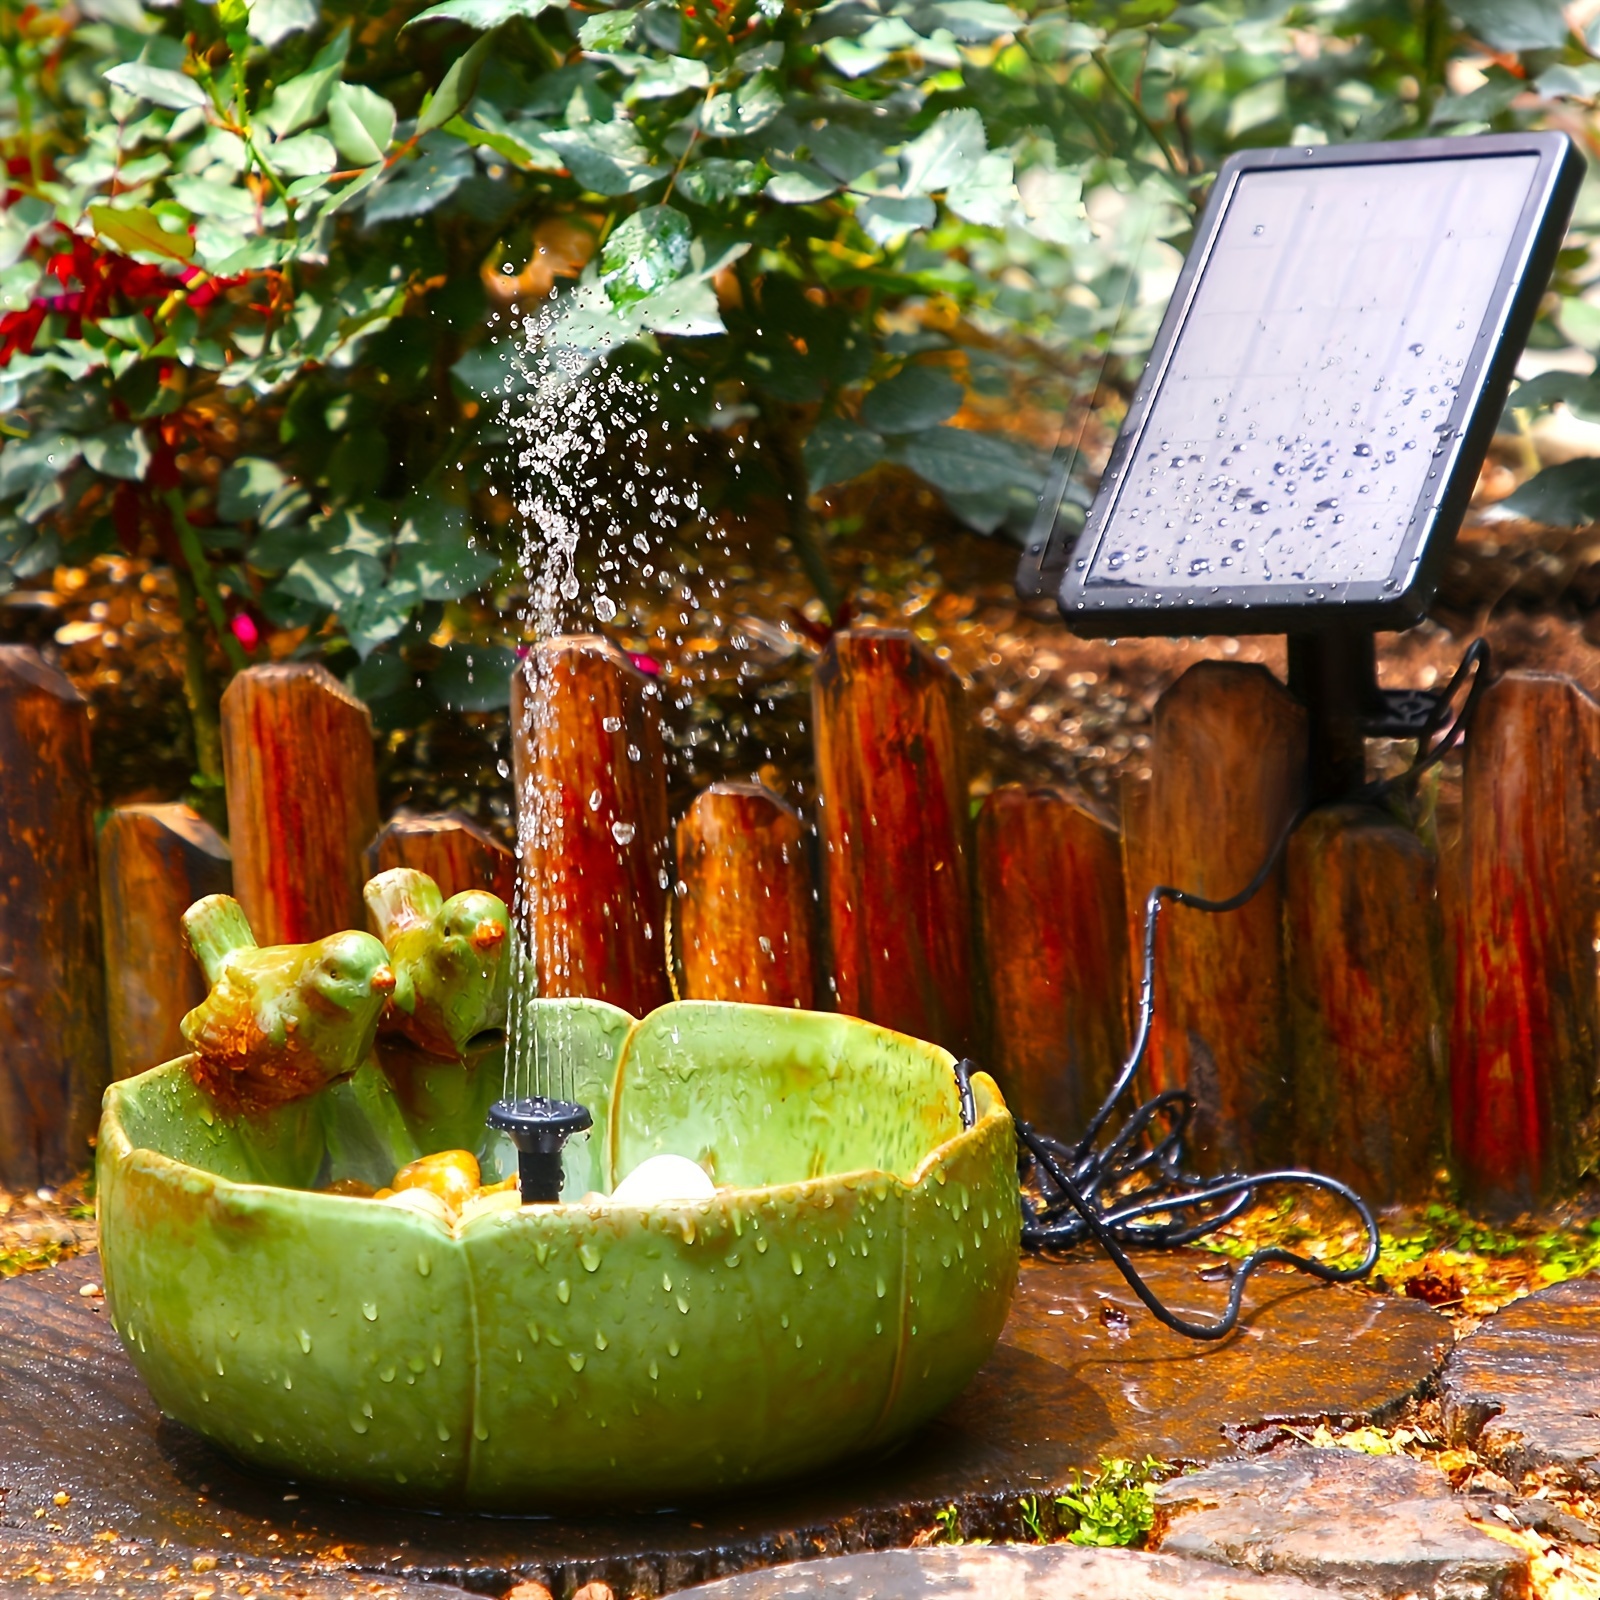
(52, 987)
(302, 800)
(892, 817)
(597, 859)
(451, 848)
(1525, 1031)
(1228, 767)
(745, 908)
(1368, 1026)
(155, 862)
(1053, 928)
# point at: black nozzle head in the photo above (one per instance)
(539, 1128)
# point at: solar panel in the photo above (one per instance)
(1304, 440)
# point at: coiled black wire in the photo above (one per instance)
(1132, 1190)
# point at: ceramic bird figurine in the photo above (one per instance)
(450, 957)
(284, 1020)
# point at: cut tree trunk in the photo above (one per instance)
(1524, 915)
(745, 908)
(592, 801)
(1364, 968)
(892, 817)
(1228, 763)
(1054, 938)
(52, 983)
(302, 800)
(451, 848)
(155, 862)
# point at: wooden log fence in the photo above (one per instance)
(155, 862)
(1372, 1012)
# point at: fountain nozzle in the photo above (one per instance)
(539, 1128)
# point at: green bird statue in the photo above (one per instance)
(282, 1021)
(450, 958)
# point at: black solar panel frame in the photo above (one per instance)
(1401, 598)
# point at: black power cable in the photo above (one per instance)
(1133, 1190)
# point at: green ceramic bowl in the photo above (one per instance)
(849, 1278)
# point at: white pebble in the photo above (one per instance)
(662, 1179)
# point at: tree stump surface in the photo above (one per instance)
(53, 1054)
(1228, 761)
(155, 862)
(745, 910)
(1351, 1524)
(451, 848)
(1081, 1372)
(591, 786)
(1524, 1390)
(1054, 935)
(302, 800)
(889, 728)
(1059, 1572)
(1526, 1028)
(1367, 1023)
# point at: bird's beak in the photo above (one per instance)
(487, 935)
(383, 981)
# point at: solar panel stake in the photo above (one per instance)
(1334, 675)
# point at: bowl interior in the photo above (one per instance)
(757, 1095)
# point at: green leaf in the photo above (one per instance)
(747, 110)
(361, 122)
(661, 80)
(853, 60)
(800, 185)
(987, 192)
(247, 487)
(521, 143)
(118, 452)
(716, 179)
(17, 283)
(607, 32)
(333, 578)
(687, 308)
(969, 21)
(607, 158)
(459, 85)
(138, 231)
(40, 458)
(303, 155)
(1514, 24)
(944, 153)
(964, 462)
(375, 618)
(485, 14)
(415, 187)
(1052, 205)
(887, 220)
(303, 99)
(159, 86)
(473, 677)
(272, 21)
(914, 398)
(837, 451)
(433, 556)
(206, 197)
(1566, 495)
(1255, 107)
(645, 251)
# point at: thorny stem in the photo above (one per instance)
(1174, 164)
(780, 438)
(204, 584)
(199, 688)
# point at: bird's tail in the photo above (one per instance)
(215, 927)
